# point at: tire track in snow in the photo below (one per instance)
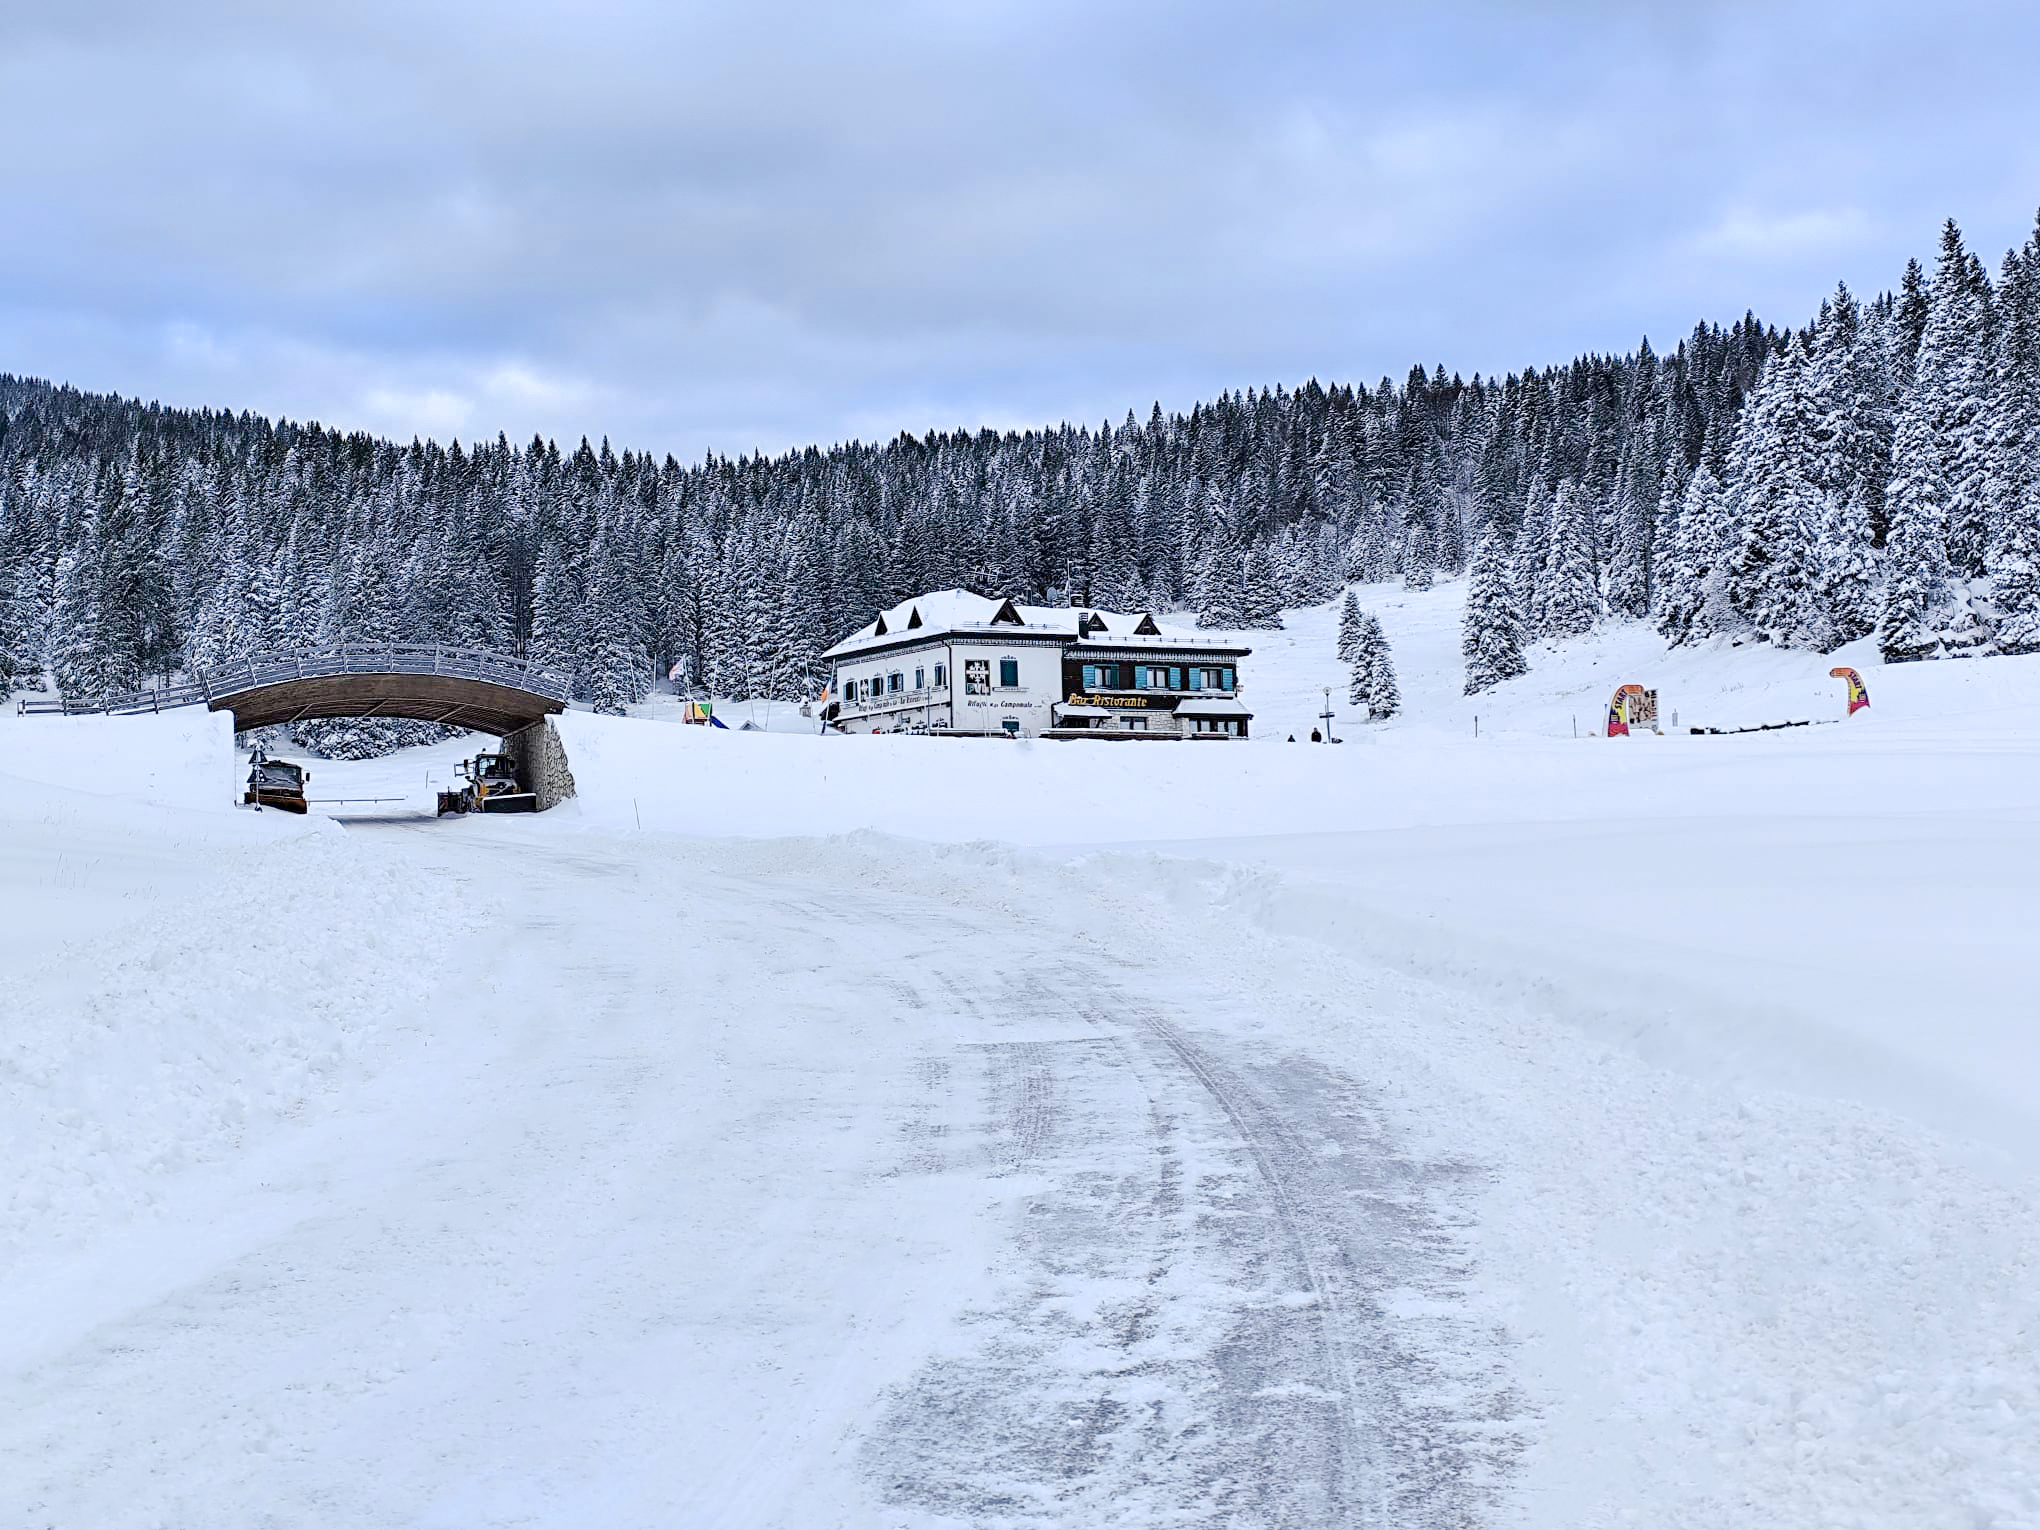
(1426, 1443)
(1214, 1346)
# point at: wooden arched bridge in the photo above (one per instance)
(461, 687)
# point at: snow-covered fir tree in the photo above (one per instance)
(1922, 611)
(1373, 683)
(1846, 571)
(2013, 557)
(1221, 592)
(1776, 507)
(1261, 606)
(1349, 629)
(1567, 593)
(1933, 504)
(1692, 589)
(1491, 627)
(1634, 516)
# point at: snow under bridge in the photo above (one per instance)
(461, 687)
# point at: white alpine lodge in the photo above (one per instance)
(969, 665)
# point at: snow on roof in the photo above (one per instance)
(961, 611)
(1214, 707)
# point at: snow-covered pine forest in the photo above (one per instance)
(1874, 471)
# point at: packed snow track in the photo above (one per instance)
(791, 1183)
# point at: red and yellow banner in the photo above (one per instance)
(1859, 696)
(1631, 704)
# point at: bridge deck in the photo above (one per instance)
(461, 687)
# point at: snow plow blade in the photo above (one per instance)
(288, 802)
(511, 802)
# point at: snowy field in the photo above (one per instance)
(1427, 1130)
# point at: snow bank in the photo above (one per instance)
(99, 816)
(183, 975)
(181, 759)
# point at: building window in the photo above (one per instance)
(895, 681)
(1012, 726)
(1101, 677)
(941, 676)
(920, 679)
(977, 677)
(1009, 674)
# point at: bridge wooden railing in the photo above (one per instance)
(221, 682)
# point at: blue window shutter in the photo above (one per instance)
(1196, 679)
(1090, 677)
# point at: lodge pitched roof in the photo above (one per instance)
(944, 611)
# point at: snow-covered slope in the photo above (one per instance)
(1428, 1130)
(1787, 905)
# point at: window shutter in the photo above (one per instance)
(1196, 679)
(1090, 677)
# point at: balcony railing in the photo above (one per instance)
(219, 682)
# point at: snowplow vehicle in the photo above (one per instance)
(489, 785)
(275, 783)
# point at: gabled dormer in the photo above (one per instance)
(913, 618)
(881, 629)
(1147, 627)
(1007, 615)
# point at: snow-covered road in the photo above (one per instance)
(775, 1184)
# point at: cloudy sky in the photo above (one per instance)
(751, 226)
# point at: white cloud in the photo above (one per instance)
(700, 226)
(1746, 233)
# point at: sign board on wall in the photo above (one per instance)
(1130, 703)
